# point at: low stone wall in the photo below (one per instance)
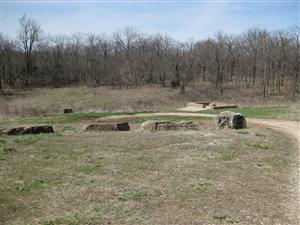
(28, 130)
(108, 127)
(153, 125)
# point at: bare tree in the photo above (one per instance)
(1, 62)
(29, 35)
(295, 35)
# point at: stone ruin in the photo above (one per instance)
(231, 120)
(153, 125)
(108, 127)
(28, 130)
(68, 110)
(210, 105)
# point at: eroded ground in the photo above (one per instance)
(177, 177)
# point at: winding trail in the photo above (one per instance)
(290, 127)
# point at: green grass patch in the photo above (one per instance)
(259, 145)
(24, 186)
(271, 112)
(228, 156)
(27, 139)
(131, 195)
(49, 153)
(74, 218)
(68, 128)
(3, 156)
(225, 218)
(243, 132)
(220, 217)
(275, 112)
(90, 169)
(4, 152)
(2, 140)
(32, 184)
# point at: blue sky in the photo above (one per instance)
(181, 19)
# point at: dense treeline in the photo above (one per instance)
(255, 59)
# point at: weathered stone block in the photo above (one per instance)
(29, 130)
(108, 127)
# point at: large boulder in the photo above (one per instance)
(231, 120)
(29, 130)
(108, 127)
(152, 125)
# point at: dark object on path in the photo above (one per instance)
(68, 110)
(108, 127)
(29, 130)
(152, 125)
(231, 120)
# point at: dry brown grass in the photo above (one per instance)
(192, 177)
(45, 101)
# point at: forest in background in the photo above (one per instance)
(258, 58)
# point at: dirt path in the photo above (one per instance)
(290, 127)
(154, 114)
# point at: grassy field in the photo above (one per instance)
(47, 101)
(180, 177)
